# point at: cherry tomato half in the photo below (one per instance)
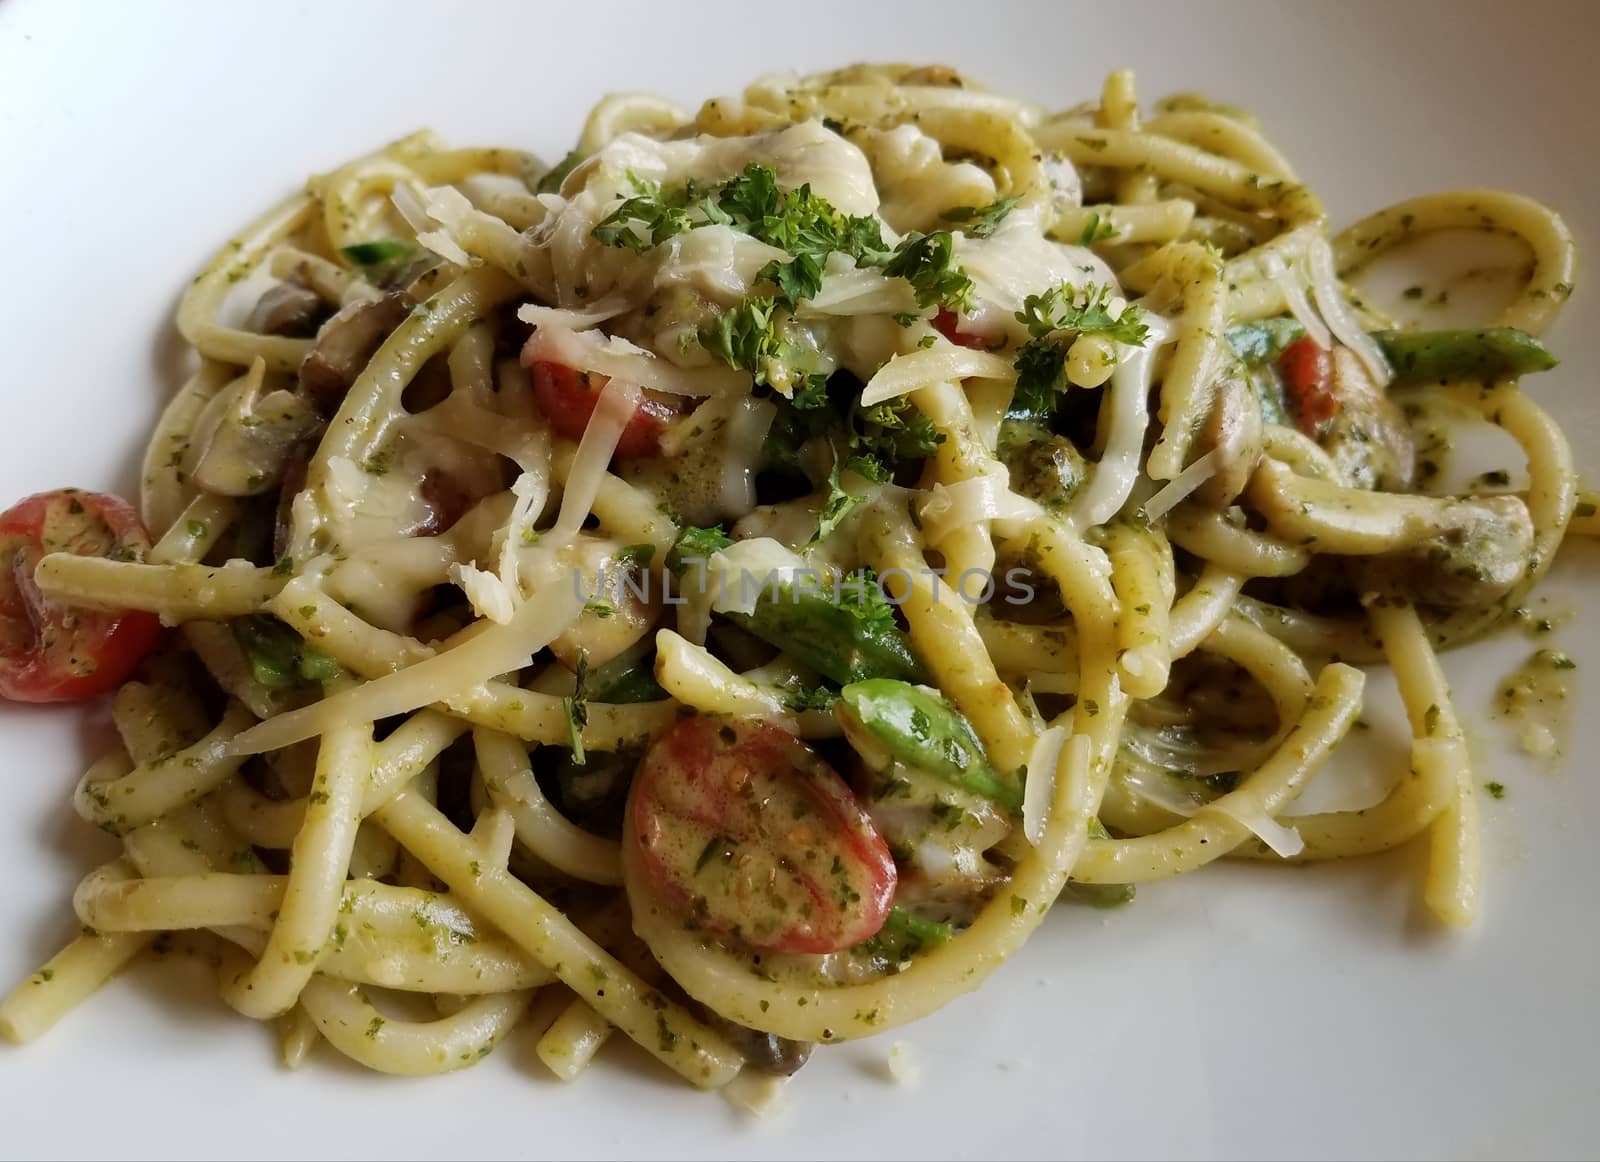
(568, 398)
(946, 321)
(746, 832)
(1307, 372)
(57, 653)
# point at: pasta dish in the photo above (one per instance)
(741, 577)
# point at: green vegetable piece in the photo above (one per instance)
(1262, 341)
(918, 928)
(381, 252)
(1492, 353)
(1047, 467)
(1101, 896)
(316, 666)
(695, 544)
(279, 657)
(903, 935)
(847, 641)
(982, 221)
(625, 679)
(917, 726)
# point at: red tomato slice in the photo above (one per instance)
(1307, 372)
(568, 398)
(747, 832)
(57, 653)
(946, 321)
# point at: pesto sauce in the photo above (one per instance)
(1536, 700)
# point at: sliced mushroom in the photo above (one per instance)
(1478, 561)
(244, 438)
(290, 308)
(769, 1052)
(1234, 430)
(289, 486)
(1442, 550)
(344, 345)
(446, 503)
(617, 614)
(1368, 438)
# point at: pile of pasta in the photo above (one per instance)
(374, 817)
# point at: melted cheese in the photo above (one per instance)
(1017, 260)
(803, 154)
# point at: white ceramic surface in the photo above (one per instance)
(1242, 1012)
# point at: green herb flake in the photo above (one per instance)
(980, 222)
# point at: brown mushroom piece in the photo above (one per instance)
(1368, 438)
(769, 1052)
(1439, 550)
(1479, 559)
(344, 345)
(290, 308)
(1234, 431)
(446, 503)
(617, 614)
(246, 435)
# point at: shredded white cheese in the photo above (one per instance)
(573, 320)
(738, 574)
(761, 1094)
(616, 357)
(615, 407)
(904, 1067)
(944, 362)
(490, 596)
(988, 497)
(1180, 486)
(1294, 296)
(1039, 789)
(1341, 321)
(1284, 841)
(1111, 480)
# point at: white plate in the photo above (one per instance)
(1240, 1012)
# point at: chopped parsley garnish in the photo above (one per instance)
(636, 556)
(887, 435)
(550, 182)
(981, 221)
(1054, 318)
(860, 595)
(746, 338)
(577, 708)
(1096, 230)
(928, 263)
(1064, 308)
(696, 544)
(651, 217)
(837, 506)
(808, 228)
